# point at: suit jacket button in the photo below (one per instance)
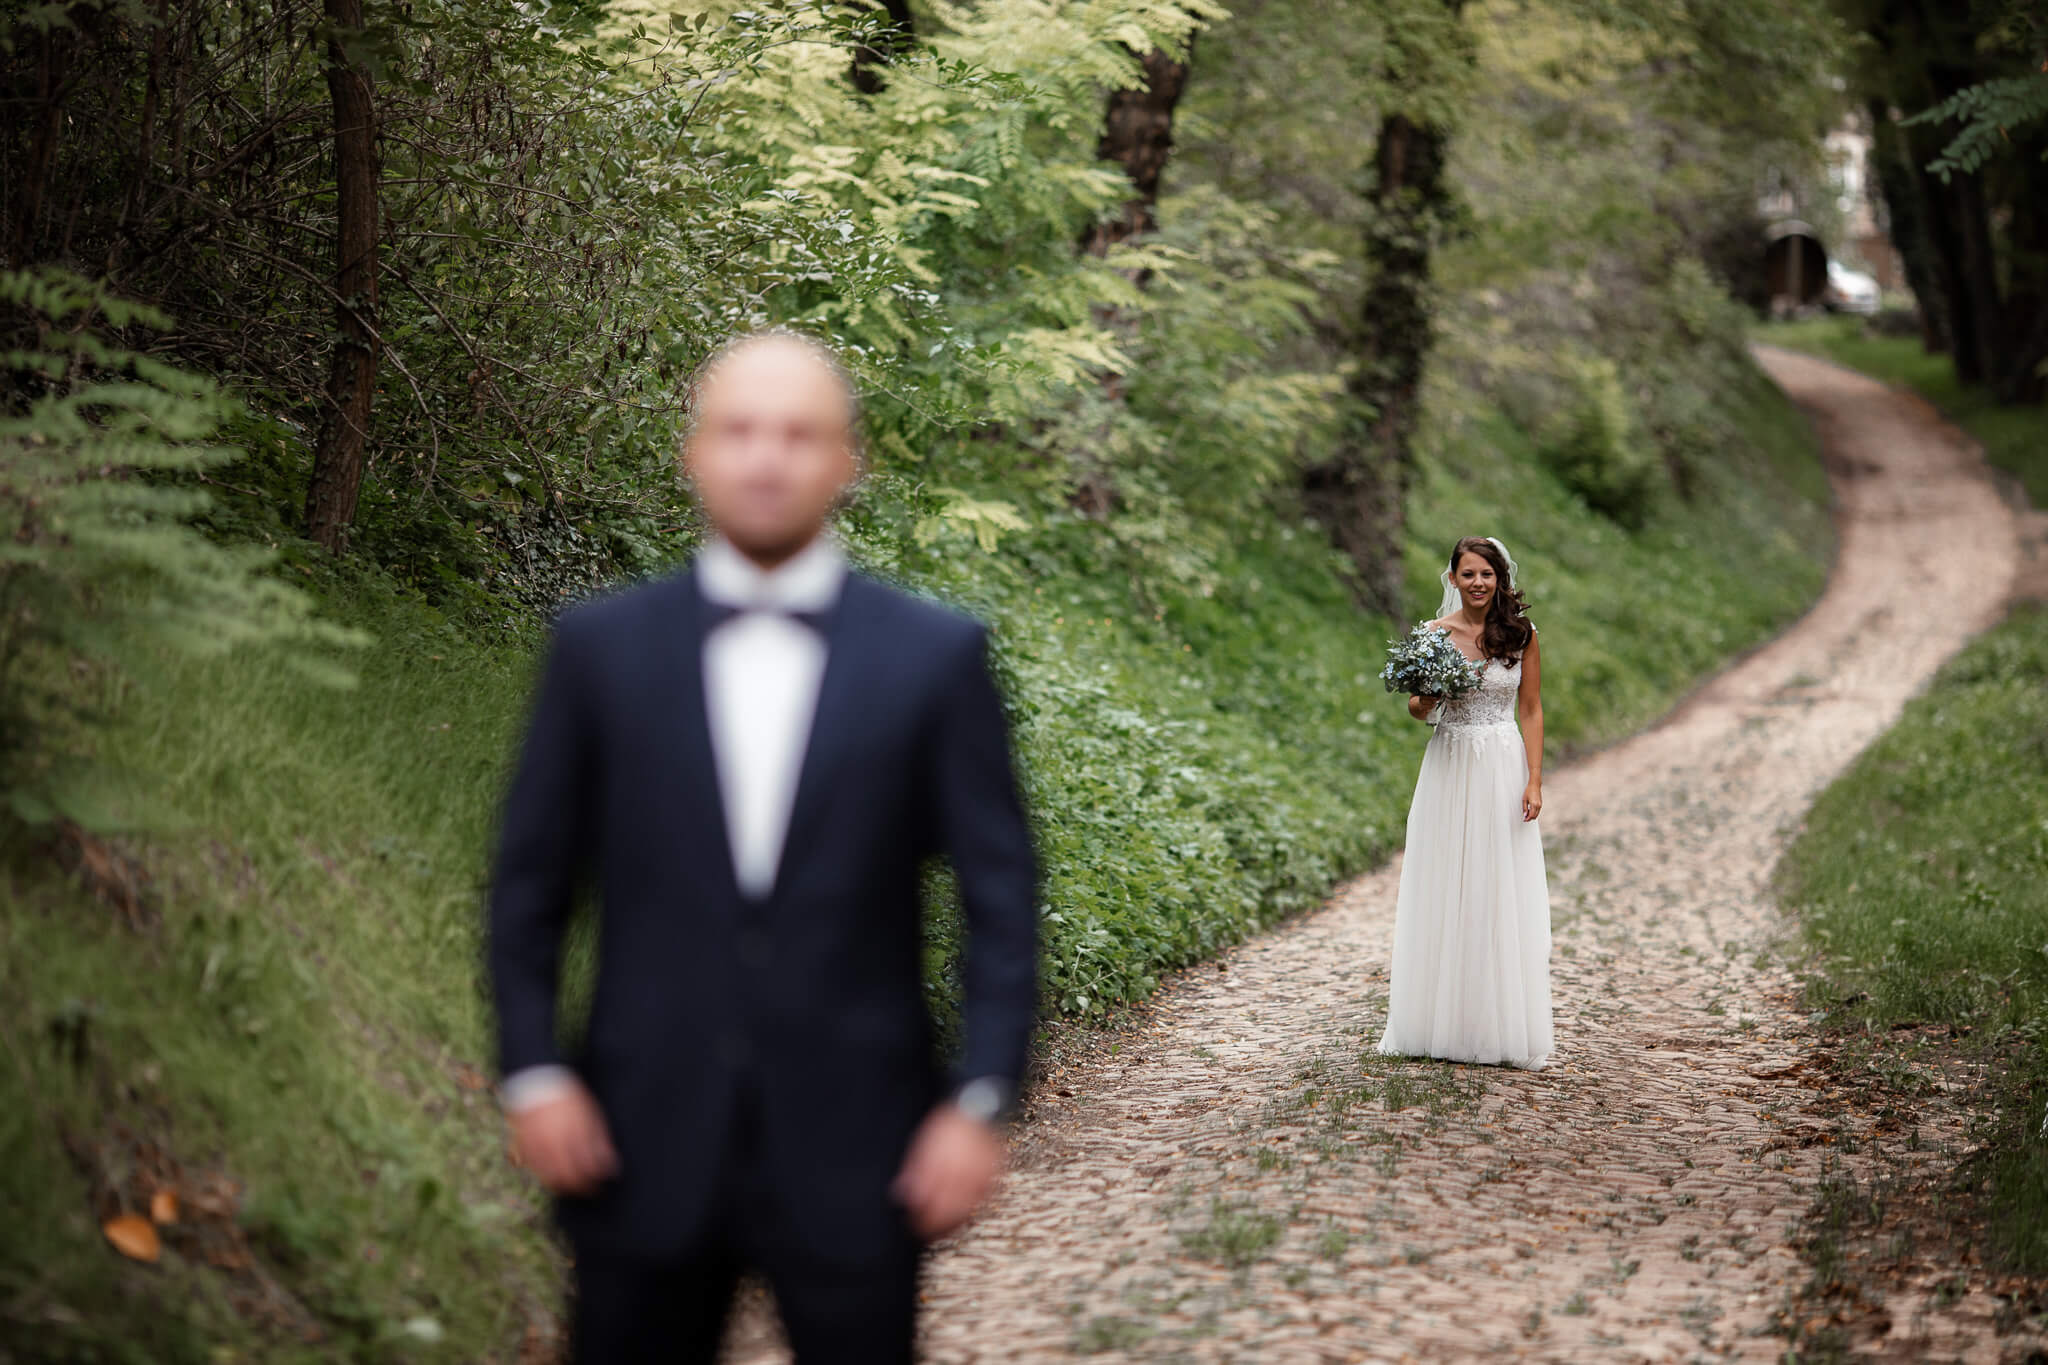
(755, 950)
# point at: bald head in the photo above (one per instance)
(771, 445)
(794, 343)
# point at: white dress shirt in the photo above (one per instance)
(761, 677)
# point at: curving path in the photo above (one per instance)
(1247, 1181)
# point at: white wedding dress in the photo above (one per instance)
(1471, 979)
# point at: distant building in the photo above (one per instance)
(1866, 242)
(1816, 231)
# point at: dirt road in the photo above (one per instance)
(1247, 1181)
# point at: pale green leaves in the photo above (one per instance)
(982, 518)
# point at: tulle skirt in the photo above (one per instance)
(1471, 977)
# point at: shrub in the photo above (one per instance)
(99, 567)
(1592, 446)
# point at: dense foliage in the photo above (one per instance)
(1956, 97)
(1988, 111)
(562, 238)
(100, 570)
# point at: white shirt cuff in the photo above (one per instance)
(534, 1085)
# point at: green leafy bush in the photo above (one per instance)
(1591, 444)
(100, 570)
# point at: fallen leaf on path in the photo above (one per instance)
(133, 1236)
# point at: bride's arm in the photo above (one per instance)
(1529, 710)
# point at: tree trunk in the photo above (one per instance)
(2026, 293)
(866, 58)
(1945, 236)
(53, 79)
(339, 456)
(1975, 243)
(1979, 271)
(1137, 134)
(1359, 493)
(1907, 226)
(2026, 379)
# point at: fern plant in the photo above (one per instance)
(1988, 112)
(101, 571)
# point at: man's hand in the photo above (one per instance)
(953, 1163)
(564, 1141)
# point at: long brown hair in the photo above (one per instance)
(1506, 631)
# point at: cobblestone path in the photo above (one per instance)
(1248, 1181)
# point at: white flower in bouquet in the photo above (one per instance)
(1429, 664)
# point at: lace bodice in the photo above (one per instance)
(1492, 704)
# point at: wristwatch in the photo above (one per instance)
(986, 1098)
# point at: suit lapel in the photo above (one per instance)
(696, 759)
(848, 649)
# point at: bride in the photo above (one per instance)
(1471, 978)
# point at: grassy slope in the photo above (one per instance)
(307, 1014)
(298, 1017)
(1921, 873)
(1921, 877)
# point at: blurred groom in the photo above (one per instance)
(752, 759)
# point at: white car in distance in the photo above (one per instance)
(1849, 291)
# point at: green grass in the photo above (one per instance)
(1922, 876)
(300, 1019)
(1236, 1235)
(303, 1017)
(1922, 880)
(1111, 1333)
(2015, 439)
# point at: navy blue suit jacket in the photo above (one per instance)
(816, 996)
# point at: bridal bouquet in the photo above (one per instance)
(1427, 664)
